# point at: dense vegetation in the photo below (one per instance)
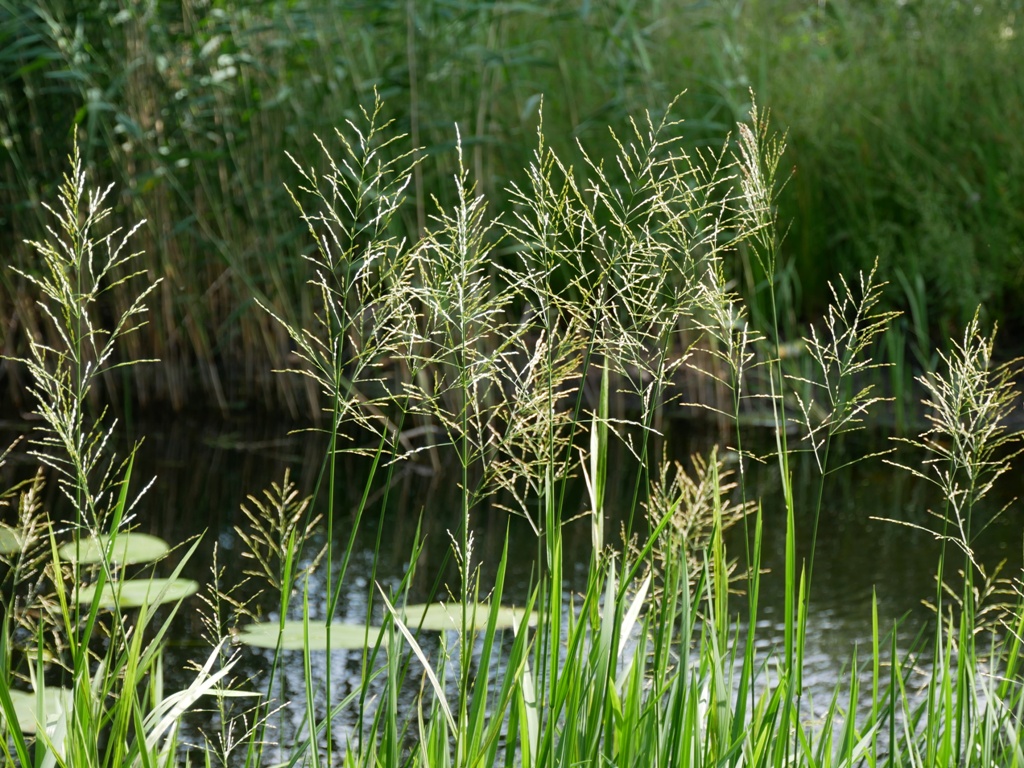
(903, 119)
(474, 269)
(507, 369)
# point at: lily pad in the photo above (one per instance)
(10, 540)
(134, 593)
(128, 548)
(56, 702)
(440, 617)
(343, 636)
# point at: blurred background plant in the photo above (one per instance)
(902, 121)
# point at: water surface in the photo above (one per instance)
(205, 470)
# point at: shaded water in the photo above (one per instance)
(205, 470)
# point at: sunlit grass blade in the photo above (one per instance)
(439, 692)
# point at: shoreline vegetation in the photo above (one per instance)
(650, 663)
(902, 121)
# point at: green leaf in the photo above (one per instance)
(56, 702)
(10, 540)
(293, 636)
(134, 593)
(448, 616)
(128, 548)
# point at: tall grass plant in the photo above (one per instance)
(95, 673)
(428, 350)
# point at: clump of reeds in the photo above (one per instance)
(512, 372)
(186, 113)
(95, 670)
(429, 350)
(972, 700)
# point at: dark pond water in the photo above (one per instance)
(205, 469)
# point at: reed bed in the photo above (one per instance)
(903, 118)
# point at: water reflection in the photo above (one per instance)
(205, 471)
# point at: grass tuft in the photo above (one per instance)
(429, 350)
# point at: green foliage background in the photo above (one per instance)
(904, 123)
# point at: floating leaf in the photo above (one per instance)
(448, 616)
(56, 702)
(134, 593)
(10, 540)
(128, 548)
(343, 636)
(26, 645)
